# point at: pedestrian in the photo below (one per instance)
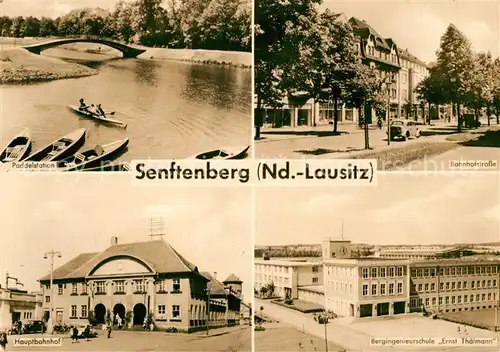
(109, 328)
(3, 341)
(87, 332)
(74, 335)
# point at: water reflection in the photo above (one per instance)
(146, 72)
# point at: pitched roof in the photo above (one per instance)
(233, 278)
(405, 54)
(158, 255)
(214, 285)
(364, 30)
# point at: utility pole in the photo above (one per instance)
(208, 308)
(51, 255)
(325, 322)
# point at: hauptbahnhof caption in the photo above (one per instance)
(243, 172)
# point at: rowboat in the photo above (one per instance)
(93, 157)
(224, 153)
(92, 115)
(61, 148)
(18, 148)
(111, 167)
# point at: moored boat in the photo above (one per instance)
(60, 148)
(111, 167)
(93, 157)
(18, 148)
(224, 153)
(92, 115)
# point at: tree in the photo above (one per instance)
(496, 88)
(364, 88)
(430, 89)
(456, 66)
(281, 37)
(331, 60)
(480, 92)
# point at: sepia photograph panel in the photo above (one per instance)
(413, 258)
(132, 269)
(92, 85)
(413, 84)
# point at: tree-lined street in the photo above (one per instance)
(302, 51)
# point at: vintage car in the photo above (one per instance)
(33, 327)
(404, 129)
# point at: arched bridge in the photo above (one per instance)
(127, 50)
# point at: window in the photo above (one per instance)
(100, 287)
(391, 272)
(399, 271)
(452, 285)
(84, 311)
(453, 300)
(400, 287)
(391, 288)
(465, 298)
(161, 309)
(315, 280)
(374, 273)
(433, 272)
(47, 299)
(374, 289)
(447, 300)
(120, 286)
(483, 297)
(472, 298)
(365, 290)
(139, 286)
(176, 312)
(459, 285)
(419, 288)
(441, 286)
(483, 284)
(426, 272)
(465, 285)
(426, 287)
(478, 297)
(440, 300)
(489, 296)
(84, 288)
(447, 286)
(382, 289)
(382, 272)
(74, 288)
(489, 283)
(177, 284)
(433, 287)
(494, 283)
(433, 301)
(59, 289)
(427, 302)
(452, 271)
(315, 269)
(364, 273)
(472, 284)
(73, 311)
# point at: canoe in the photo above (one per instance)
(111, 167)
(224, 153)
(93, 157)
(61, 148)
(18, 148)
(99, 118)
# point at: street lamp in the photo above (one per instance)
(51, 255)
(390, 80)
(325, 321)
(207, 290)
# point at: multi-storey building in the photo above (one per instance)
(18, 305)
(413, 71)
(134, 281)
(287, 276)
(467, 283)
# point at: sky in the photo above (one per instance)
(419, 25)
(209, 227)
(401, 209)
(50, 8)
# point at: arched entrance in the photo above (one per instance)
(139, 313)
(120, 310)
(100, 313)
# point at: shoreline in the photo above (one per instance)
(18, 66)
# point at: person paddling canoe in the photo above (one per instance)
(83, 106)
(100, 111)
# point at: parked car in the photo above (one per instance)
(34, 326)
(404, 129)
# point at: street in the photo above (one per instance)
(355, 336)
(236, 340)
(319, 143)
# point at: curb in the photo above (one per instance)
(223, 333)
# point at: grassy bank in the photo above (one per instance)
(208, 57)
(20, 66)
